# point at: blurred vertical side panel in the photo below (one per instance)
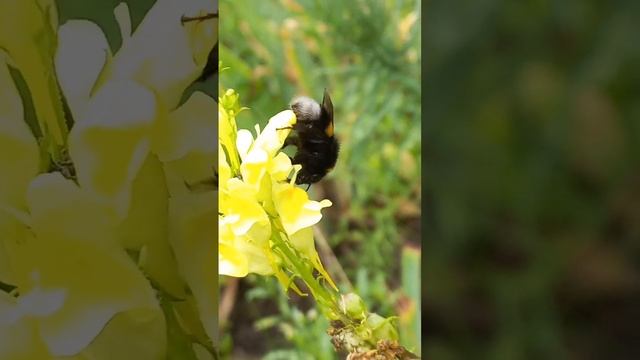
(108, 150)
(532, 144)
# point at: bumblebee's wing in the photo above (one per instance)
(327, 111)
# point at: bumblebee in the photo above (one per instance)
(313, 136)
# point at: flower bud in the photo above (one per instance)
(353, 306)
(383, 328)
(230, 101)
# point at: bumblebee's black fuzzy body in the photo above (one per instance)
(317, 147)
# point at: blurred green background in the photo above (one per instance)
(532, 137)
(367, 54)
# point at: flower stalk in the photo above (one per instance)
(327, 299)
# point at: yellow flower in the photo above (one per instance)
(241, 208)
(245, 231)
(19, 149)
(295, 209)
(242, 254)
(224, 170)
(19, 326)
(231, 261)
(260, 196)
(122, 113)
(192, 229)
(163, 53)
(72, 248)
(271, 139)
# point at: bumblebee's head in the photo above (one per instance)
(310, 112)
(306, 109)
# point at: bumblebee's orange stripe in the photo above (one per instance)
(329, 130)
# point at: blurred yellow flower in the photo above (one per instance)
(106, 243)
(28, 38)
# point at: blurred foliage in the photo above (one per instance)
(532, 145)
(367, 54)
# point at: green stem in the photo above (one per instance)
(328, 300)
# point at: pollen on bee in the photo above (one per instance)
(329, 130)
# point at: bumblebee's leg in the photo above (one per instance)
(185, 19)
(291, 139)
(65, 166)
(215, 175)
(308, 187)
(206, 184)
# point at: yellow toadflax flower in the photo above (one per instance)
(261, 209)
